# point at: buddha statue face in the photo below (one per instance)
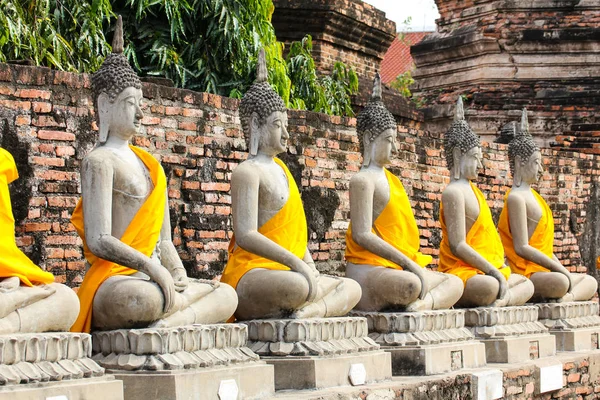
(528, 171)
(122, 116)
(383, 147)
(270, 137)
(469, 163)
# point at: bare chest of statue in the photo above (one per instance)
(471, 208)
(534, 210)
(273, 191)
(381, 194)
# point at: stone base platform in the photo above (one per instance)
(425, 343)
(319, 353)
(576, 325)
(189, 362)
(42, 365)
(510, 334)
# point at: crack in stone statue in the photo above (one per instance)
(527, 228)
(471, 247)
(136, 278)
(382, 242)
(269, 262)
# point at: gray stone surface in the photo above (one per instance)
(105, 388)
(576, 325)
(309, 337)
(46, 357)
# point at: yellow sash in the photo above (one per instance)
(542, 238)
(12, 260)
(482, 237)
(142, 234)
(287, 228)
(396, 225)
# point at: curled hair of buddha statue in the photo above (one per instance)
(373, 120)
(259, 101)
(522, 145)
(115, 74)
(459, 136)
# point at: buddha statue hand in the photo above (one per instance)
(310, 274)
(180, 279)
(165, 281)
(9, 284)
(503, 285)
(418, 271)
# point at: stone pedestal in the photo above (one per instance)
(43, 365)
(510, 334)
(319, 353)
(425, 343)
(575, 325)
(189, 362)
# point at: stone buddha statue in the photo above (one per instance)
(30, 301)
(527, 228)
(269, 262)
(471, 247)
(382, 241)
(135, 278)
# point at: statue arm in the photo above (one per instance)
(97, 200)
(517, 217)
(245, 204)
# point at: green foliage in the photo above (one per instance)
(328, 94)
(63, 34)
(402, 83)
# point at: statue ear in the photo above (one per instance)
(104, 104)
(254, 133)
(517, 178)
(456, 157)
(367, 149)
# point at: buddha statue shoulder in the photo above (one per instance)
(30, 301)
(135, 277)
(471, 247)
(269, 263)
(382, 241)
(527, 228)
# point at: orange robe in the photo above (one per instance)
(142, 234)
(12, 260)
(482, 237)
(396, 225)
(542, 238)
(287, 228)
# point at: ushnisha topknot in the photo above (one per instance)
(115, 74)
(459, 135)
(260, 98)
(374, 118)
(522, 145)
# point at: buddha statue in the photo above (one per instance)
(135, 277)
(269, 263)
(30, 301)
(382, 241)
(471, 247)
(527, 228)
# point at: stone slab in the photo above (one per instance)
(181, 348)
(105, 388)
(45, 357)
(516, 349)
(548, 376)
(309, 337)
(487, 384)
(252, 380)
(576, 325)
(318, 372)
(436, 359)
(498, 322)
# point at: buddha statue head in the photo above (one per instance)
(376, 128)
(462, 147)
(117, 92)
(263, 114)
(524, 155)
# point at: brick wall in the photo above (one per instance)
(47, 123)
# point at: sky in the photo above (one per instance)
(422, 12)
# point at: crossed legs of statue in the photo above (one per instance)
(392, 289)
(34, 309)
(554, 286)
(482, 291)
(126, 302)
(265, 293)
